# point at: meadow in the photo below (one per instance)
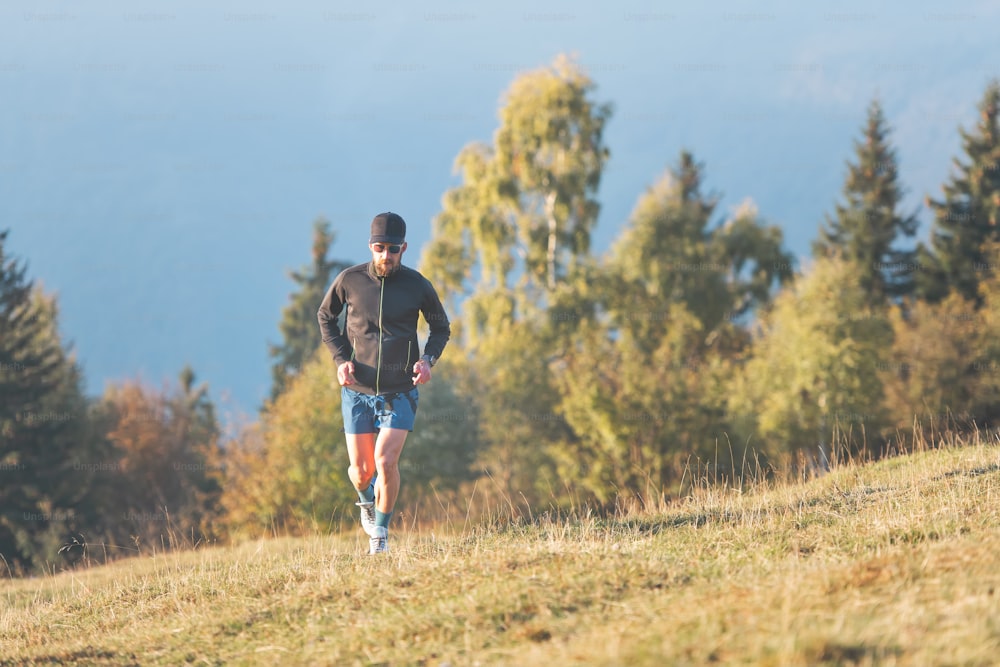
(895, 562)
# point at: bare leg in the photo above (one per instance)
(388, 447)
(361, 452)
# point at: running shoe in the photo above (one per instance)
(378, 543)
(368, 517)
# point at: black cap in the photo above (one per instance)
(388, 228)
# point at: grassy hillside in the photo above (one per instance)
(896, 563)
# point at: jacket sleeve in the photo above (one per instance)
(328, 315)
(437, 320)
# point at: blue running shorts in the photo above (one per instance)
(367, 414)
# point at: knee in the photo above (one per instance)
(386, 464)
(361, 477)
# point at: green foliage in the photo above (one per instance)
(514, 239)
(45, 432)
(300, 335)
(295, 477)
(441, 453)
(966, 218)
(641, 384)
(669, 255)
(866, 227)
(815, 369)
(639, 414)
(525, 208)
(550, 155)
(932, 372)
(519, 423)
(289, 472)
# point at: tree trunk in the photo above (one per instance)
(550, 214)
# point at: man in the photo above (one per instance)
(379, 365)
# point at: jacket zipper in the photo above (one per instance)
(378, 359)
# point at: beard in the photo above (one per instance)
(386, 268)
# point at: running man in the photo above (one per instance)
(379, 365)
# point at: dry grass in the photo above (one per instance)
(894, 563)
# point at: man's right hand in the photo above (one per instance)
(345, 373)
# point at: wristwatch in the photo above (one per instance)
(429, 359)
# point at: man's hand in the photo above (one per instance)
(423, 372)
(345, 373)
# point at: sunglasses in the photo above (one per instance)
(381, 247)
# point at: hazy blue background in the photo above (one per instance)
(161, 163)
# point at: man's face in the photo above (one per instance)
(386, 260)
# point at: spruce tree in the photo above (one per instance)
(866, 226)
(671, 252)
(300, 334)
(44, 455)
(966, 218)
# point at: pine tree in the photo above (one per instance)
(300, 334)
(966, 218)
(671, 254)
(43, 423)
(866, 227)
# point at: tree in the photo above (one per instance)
(168, 461)
(943, 371)
(299, 331)
(525, 208)
(510, 239)
(550, 154)
(294, 475)
(813, 382)
(670, 254)
(966, 218)
(641, 384)
(639, 413)
(867, 226)
(47, 448)
(931, 372)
